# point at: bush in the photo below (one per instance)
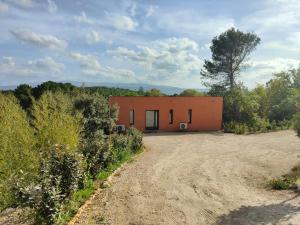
(120, 145)
(61, 174)
(97, 123)
(234, 127)
(55, 122)
(17, 155)
(97, 152)
(136, 139)
(258, 124)
(296, 121)
(283, 183)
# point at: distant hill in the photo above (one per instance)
(169, 90)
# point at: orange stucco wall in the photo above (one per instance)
(206, 111)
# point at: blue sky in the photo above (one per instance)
(155, 42)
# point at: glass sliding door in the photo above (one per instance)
(152, 117)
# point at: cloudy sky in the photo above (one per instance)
(129, 41)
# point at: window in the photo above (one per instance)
(131, 117)
(190, 116)
(171, 116)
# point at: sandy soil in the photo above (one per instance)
(207, 178)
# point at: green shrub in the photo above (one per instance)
(258, 124)
(120, 145)
(283, 183)
(234, 127)
(54, 121)
(297, 123)
(136, 139)
(17, 155)
(61, 174)
(97, 152)
(97, 123)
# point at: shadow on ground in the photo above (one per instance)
(258, 215)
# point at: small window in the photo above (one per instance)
(131, 117)
(190, 116)
(171, 116)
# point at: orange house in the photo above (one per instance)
(169, 113)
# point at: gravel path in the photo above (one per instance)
(202, 178)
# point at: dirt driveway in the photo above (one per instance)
(207, 178)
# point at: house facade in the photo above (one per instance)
(169, 113)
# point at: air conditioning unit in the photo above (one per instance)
(120, 128)
(183, 126)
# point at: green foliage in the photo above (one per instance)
(24, 94)
(136, 139)
(283, 183)
(70, 207)
(265, 108)
(54, 121)
(296, 120)
(111, 91)
(234, 127)
(216, 90)
(73, 131)
(17, 156)
(229, 53)
(282, 97)
(191, 92)
(61, 174)
(121, 146)
(98, 122)
(98, 117)
(287, 181)
(239, 105)
(51, 86)
(154, 93)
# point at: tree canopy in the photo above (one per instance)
(191, 92)
(229, 54)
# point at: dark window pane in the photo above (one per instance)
(190, 116)
(171, 116)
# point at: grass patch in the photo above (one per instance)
(79, 197)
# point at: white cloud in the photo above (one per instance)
(7, 63)
(150, 10)
(41, 40)
(94, 37)
(122, 22)
(3, 7)
(82, 18)
(89, 63)
(46, 64)
(281, 46)
(294, 38)
(166, 59)
(186, 22)
(275, 15)
(133, 9)
(261, 71)
(274, 65)
(52, 7)
(118, 75)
